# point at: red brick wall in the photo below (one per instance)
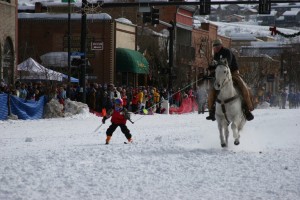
(37, 37)
(8, 31)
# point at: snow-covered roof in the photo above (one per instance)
(26, 7)
(281, 18)
(291, 12)
(242, 36)
(252, 10)
(99, 16)
(124, 20)
(272, 13)
(266, 44)
(285, 5)
(227, 29)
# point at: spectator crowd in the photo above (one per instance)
(100, 97)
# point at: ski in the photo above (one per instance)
(129, 142)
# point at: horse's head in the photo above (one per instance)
(222, 74)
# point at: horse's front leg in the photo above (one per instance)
(226, 134)
(221, 130)
(235, 133)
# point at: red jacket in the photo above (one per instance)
(118, 117)
(177, 96)
(134, 100)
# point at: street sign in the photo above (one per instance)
(77, 54)
(97, 45)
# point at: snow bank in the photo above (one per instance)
(54, 109)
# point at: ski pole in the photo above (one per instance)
(131, 121)
(98, 127)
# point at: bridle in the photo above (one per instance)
(227, 79)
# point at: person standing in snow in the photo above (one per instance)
(283, 96)
(119, 117)
(201, 97)
(23, 91)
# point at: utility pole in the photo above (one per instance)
(83, 51)
(171, 57)
(69, 41)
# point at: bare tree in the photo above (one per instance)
(291, 66)
(255, 69)
(155, 49)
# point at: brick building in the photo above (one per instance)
(8, 40)
(188, 62)
(43, 33)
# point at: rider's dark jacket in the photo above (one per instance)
(226, 53)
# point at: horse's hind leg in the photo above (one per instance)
(236, 134)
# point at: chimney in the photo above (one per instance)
(38, 7)
(205, 26)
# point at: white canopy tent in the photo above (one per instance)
(32, 70)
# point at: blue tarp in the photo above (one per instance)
(72, 79)
(25, 109)
(3, 107)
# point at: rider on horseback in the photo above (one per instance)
(219, 53)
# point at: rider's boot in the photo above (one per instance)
(248, 115)
(211, 115)
(212, 96)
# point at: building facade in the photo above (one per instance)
(42, 33)
(8, 40)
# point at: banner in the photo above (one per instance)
(188, 105)
(3, 107)
(27, 109)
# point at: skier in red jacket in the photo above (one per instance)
(119, 116)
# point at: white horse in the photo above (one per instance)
(228, 106)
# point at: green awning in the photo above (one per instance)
(131, 61)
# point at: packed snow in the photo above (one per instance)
(173, 157)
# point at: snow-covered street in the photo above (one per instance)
(174, 157)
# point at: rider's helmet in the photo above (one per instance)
(118, 101)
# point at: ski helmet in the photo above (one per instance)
(119, 101)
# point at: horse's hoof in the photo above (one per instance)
(236, 142)
(223, 145)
